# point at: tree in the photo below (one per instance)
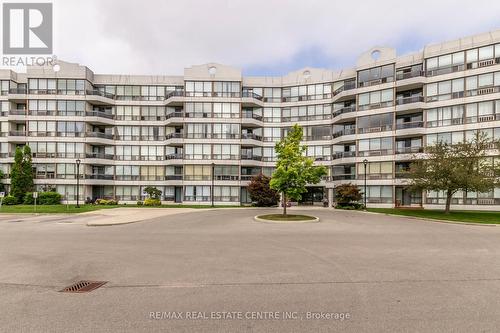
(458, 167)
(293, 169)
(153, 192)
(347, 195)
(21, 174)
(261, 193)
(2, 187)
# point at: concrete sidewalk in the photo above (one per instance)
(117, 216)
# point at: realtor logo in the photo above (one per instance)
(27, 28)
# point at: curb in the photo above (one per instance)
(258, 219)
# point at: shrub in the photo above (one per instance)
(153, 192)
(28, 198)
(10, 200)
(348, 195)
(139, 203)
(49, 198)
(152, 202)
(260, 192)
(109, 202)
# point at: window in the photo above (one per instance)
(375, 99)
(197, 193)
(375, 146)
(198, 151)
(447, 63)
(375, 123)
(226, 152)
(376, 75)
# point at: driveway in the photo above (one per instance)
(218, 270)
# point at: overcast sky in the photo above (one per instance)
(262, 37)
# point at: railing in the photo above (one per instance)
(482, 91)
(249, 94)
(347, 86)
(483, 63)
(225, 157)
(375, 176)
(175, 115)
(17, 133)
(317, 137)
(100, 155)
(375, 106)
(173, 177)
(175, 93)
(379, 199)
(100, 93)
(127, 177)
(443, 97)
(252, 116)
(383, 128)
(346, 109)
(99, 114)
(344, 154)
(251, 136)
(347, 131)
(226, 177)
(251, 157)
(17, 112)
(409, 99)
(445, 70)
(99, 135)
(401, 174)
(99, 176)
(410, 124)
(376, 81)
(18, 91)
(482, 118)
(46, 134)
(197, 156)
(444, 122)
(173, 157)
(347, 176)
(247, 177)
(409, 150)
(173, 136)
(408, 75)
(378, 152)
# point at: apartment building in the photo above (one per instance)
(202, 136)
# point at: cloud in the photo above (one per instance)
(259, 36)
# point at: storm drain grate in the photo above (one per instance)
(83, 286)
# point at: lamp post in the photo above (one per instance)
(365, 162)
(212, 189)
(78, 182)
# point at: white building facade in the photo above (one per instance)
(202, 136)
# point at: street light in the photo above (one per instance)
(365, 162)
(78, 182)
(212, 189)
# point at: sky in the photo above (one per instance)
(262, 37)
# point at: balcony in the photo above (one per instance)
(252, 115)
(175, 136)
(377, 129)
(343, 177)
(100, 93)
(99, 135)
(226, 177)
(250, 94)
(17, 133)
(175, 115)
(247, 177)
(251, 136)
(482, 118)
(18, 112)
(410, 124)
(101, 114)
(251, 157)
(482, 91)
(445, 70)
(376, 81)
(173, 157)
(100, 155)
(483, 63)
(347, 131)
(409, 150)
(378, 152)
(347, 86)
(99, 176)
(175, 93)
(409, 99)
(18, 91)
(173, 177)
(346, 109)
(408, 75)
(344, 154)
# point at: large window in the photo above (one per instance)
(376, 170)
(226, 152)
(226, 110)
(445, 116)
(227, 89)
(197, 151)
(375, 123)
(197, 172)
(444, 90)
(376, 75)
(197, 193)
(198, 110)
(199, 88)
(375, 146)
(447, 63)
(375, 99)
(226, 193)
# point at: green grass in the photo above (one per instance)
(51, 209)
(71, 209)
(289, 217)
(486, 217)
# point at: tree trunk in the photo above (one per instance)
(284, 204)
(448, 202)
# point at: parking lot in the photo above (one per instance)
(355, 272)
